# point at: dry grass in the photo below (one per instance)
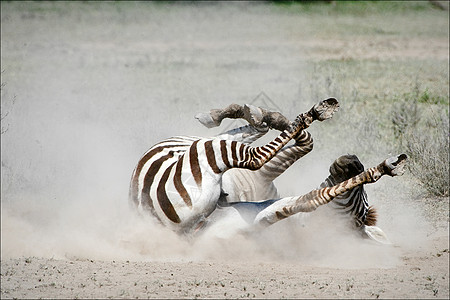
(372, 123)
(420, 123)
(429, 159)
(428, 150)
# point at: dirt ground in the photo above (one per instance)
(89, 87)
(420, 273)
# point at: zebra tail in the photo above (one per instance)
(371, 218)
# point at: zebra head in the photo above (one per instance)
(345, 167)
(354, 203)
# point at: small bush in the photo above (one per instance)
(428, 150)
(424, 135)
(405, 118)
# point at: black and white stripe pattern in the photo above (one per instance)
(309, 202)
(179, 180)
(353, 202)
(286, 157)
(241, 185)
(174, 177)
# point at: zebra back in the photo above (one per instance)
(166, 152)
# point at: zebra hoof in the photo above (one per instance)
(206, 120)
(376, 234)
(325, 109)
(395, 166)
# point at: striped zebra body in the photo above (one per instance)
(183, 180)
(179, 180)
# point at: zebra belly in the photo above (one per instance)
(249, 210)
(246, 186)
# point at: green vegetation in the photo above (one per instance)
(361, 8)
(425, 97)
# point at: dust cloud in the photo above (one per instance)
(79, 210)
(91, 96)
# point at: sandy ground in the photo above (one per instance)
(89, 88)
(420, 273)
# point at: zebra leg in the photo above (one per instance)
(289, 206)
(260, 118)
(256, 116)
(248, 134)
(286, 157)
(256, 157)
(215, 116)
(241, 185)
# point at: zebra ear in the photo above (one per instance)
(376, 234)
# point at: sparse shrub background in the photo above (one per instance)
(410, 119)
(421, 127)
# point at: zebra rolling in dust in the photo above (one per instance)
(182, 180)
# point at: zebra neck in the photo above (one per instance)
(353, 202)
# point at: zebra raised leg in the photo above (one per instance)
(289, 206)
(290, 154)
(255, 157)
(259, 117)
(256, 185)
(256, 116)
(246, 185)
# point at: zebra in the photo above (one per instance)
(179, 180)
